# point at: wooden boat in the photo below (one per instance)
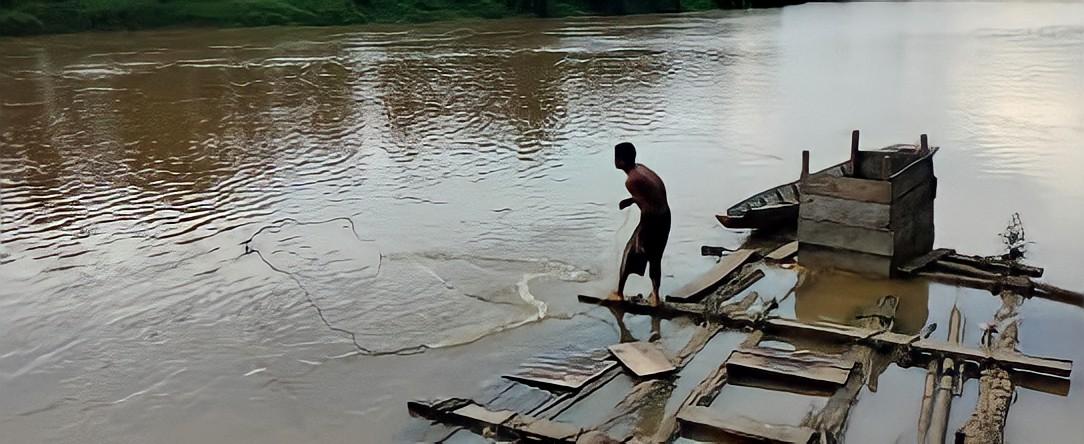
(772, 208)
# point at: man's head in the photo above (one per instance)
(624, 156)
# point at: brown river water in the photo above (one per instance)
(283, 234)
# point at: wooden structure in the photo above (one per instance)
(874, 218)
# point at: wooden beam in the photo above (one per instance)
(925, 260)
(746, 428)
(694, 290)
(996, 388)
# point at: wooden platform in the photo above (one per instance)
(642, 358)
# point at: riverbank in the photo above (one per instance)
(24, 17)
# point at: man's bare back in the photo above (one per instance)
(649, 240)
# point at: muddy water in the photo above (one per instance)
(281, 235)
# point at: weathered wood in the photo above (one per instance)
(642, 358)
(738, 284)
(803, 366)
(565, 371)
(916, 173)
(854, 152)
(850, 188)
(1018, 284)
(713, 278)
(965, 270)
(639, 413)
(928, 392)
(784, 252)
(831, 234)
(503, 423)
(844, 211)
(996, 388)
(1007, 359)
(744, 427)
(831, 421)
(942, 399)
(641, 306)
(827, 257)
(996, 265)
(925, 260)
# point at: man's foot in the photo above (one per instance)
(615, 296)
(654, 300)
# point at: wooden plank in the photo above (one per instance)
(744, 427)
(845, 211)
(996, 265)
(504, 423)
(913, 175)
(1011, 360)
(831, 234)
(698, 287)
(564, 371)
(850, 188)
(784, 252)
(481, 414)
(807, 366)
(642, 358)
(826, 257)
(925, 260)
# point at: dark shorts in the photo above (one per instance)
(647, 242)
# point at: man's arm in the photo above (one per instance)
(626, 202)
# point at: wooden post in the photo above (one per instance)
(854, 152)
(942, 401)
(886, 167)
(924, 146)
(805, 164)
(996, 388)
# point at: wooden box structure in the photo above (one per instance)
(874, 218)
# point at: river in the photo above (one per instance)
(283, 234)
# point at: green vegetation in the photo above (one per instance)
(19, 17)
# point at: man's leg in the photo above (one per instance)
(656, 279)
(623, 272)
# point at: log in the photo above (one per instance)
(996, 388)
(942, 400)
(997, 265)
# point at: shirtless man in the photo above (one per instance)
(649, 239)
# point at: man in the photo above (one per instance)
(649, 239)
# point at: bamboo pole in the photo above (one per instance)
(942, 401)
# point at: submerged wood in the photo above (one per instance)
(818, 368)
(642, 358)
(564, 372)
(502, 423)
(704, 392)
(942, 400)
(713, 278)
(746, 428)
(640, 412)
(996, 388)
(831, 420)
